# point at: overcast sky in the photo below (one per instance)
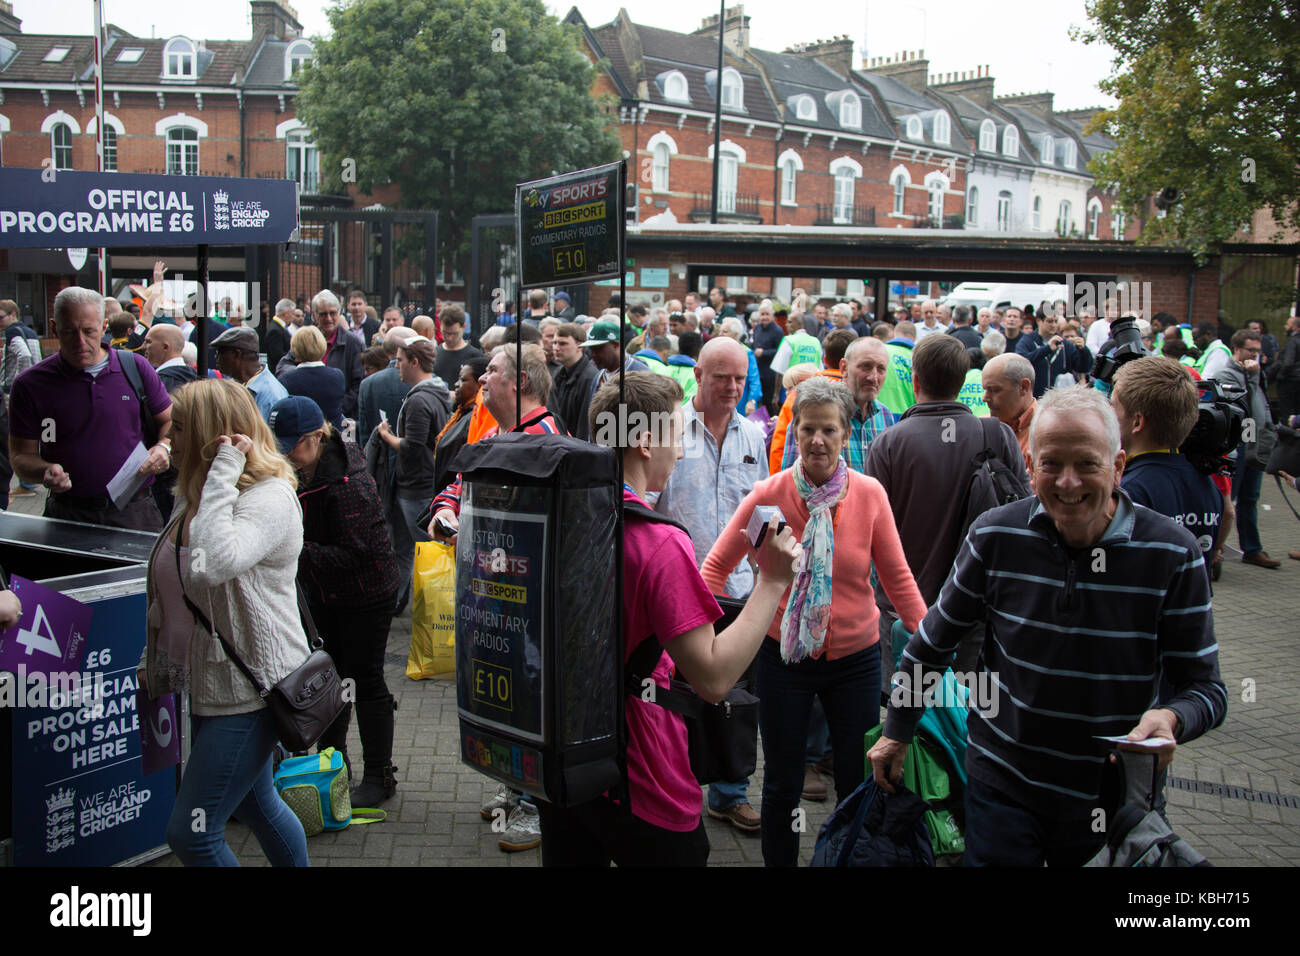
(1025, 43)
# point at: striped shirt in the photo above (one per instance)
(1075, 643)
(864, 429)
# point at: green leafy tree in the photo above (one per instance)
(454, 102)
(1207, 106)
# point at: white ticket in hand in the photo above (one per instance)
(1151, 743)
(123, 486)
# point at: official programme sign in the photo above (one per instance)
(74, 209)
(570, 227)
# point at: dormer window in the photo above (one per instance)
(296, 56)
(1071, 155)
(675, 87)
(942, 128)
(805, 108)
(851, 111)
(988, 137)
(914, 127)
(179, 57)
(1011, 142)
(1047, 149)
(732, 90)
(57, 54)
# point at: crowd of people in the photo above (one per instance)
(319, 452)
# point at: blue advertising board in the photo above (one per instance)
(84, 799)
(62, 208)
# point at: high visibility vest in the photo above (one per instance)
(1214, 346)
(804, 349)
(896, 392)
(972, 394)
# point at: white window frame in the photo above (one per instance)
(131, 54)
(57, 148)
(851, 110)
(1011, 141)
(972, 207)
(988, 137)
(110, 148)
(728, 167)
(942, 128)
(294, 54)
(1094, 218)
(1047, 149)
(1071, 160)
(844, 170)
(56, 54)
(176, 137)
(301, 141)
(899, 180)
(660, 139)
(173, 68)
(914, 128)
(790, 165)
(1038, 213)
(731, 81)
(1005, 209)
(1117, 224)
(676, 79)
(805, 108)
(936, 185)
(1064, 215)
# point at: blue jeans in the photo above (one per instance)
(1246, 484)
(229, 772)
(406, 532)
(849, 690)
(724, 795)
(1001, 832)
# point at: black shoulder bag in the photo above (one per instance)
(723, 737)
(306, 701)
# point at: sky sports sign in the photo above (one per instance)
(75, 209)
(570, 227)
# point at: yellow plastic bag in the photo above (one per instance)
(433, 612)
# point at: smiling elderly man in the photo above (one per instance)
(1087, 599)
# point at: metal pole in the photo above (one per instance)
(201, 339)
(99, 124)
(717, 114)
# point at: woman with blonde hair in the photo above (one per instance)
(312, 378)
(230, 553)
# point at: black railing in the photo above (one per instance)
(837, 215)
(954, 220)
(731, 205)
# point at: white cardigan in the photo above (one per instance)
(243, 565)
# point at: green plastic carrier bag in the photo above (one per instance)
(924, 774)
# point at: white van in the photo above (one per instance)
(998, 295)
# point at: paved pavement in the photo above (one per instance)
(1235, 793)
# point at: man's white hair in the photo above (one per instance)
(734, 327)
(842, 308)
(190, 353)
(72, 299)
(324, 297)
(993, 343)
(284, 306)
(1072, 401)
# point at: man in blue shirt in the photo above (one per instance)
(1156, 402)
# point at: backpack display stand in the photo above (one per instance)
(538, 654)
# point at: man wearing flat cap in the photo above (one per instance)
(237, 358)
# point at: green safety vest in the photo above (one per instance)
(1185, 335)
(896, 393)
(1210, 350)
(804, 349)
(972, 394)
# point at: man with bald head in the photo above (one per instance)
(722, 459)
(162, 347)
(1009, 393)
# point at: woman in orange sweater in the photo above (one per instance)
(824, 639)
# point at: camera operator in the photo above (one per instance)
(1157, 405)
(1243, 372)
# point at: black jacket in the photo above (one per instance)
(346, 357)
(571, 394)
(347, 555)
(275, 343)
(174, 376)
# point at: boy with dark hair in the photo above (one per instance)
(665, 600)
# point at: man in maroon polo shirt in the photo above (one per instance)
(75, 419)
